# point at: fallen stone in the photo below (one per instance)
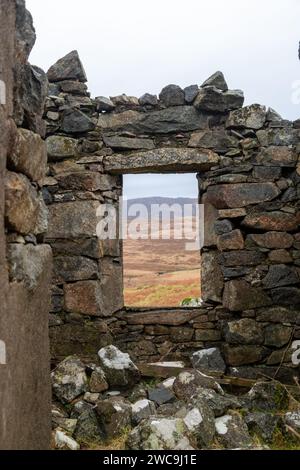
(187, 383)
(159, 434)
(68, 67)
(119, 369)
(76, 122)
(98, 383)
(208, 359)
(251, 117)
(114, 416)
(268, 396)
(142, 409)
(232, 432)
(66, 424)
(217, 80)
(88, 429)
(160, 160)
(29, 155)
(172, 95)
(59, 147)
(220, 404)
(161, 395)
(239, 295)
(211, 99)
(64, 442)
(263, 425)
(69, 380)
(200, 422)
(128, 143)
(292, 419)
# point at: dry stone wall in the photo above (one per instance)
(25, 260)
(247, 164)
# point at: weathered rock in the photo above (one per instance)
(29, 155)
(22, 204)
(172, 95)
(217, 80)
(25, 32)
(98, 383)
(280, 275)
(159, 434)
(268, 396)
(76, 122)
(114, 416)
(242, 355)
(241, 258)
(200, 423)
(71, 220)
(68, 67)
(161, 395)
(69, 380)
(278, 314)
(207, 335)
(64, 442)
(59, 147)
(223, 226)
(128, 143)
(220, 404)
(104, 104)
(232, 432)
(231, 241)
(160, 160)
(65, 424)
(266, 173)
(231, 213)
(174, 119)
(84, 181)
(148, 100)
(293, 419)
(274, 221)
(27, 263)
(212, 277)
(84, 297)
(244, 331)
(91, 248)
(224, 196)
(264, 425)
(212, 99)
(239, 295)
(142, 409)
(280, 256)
(73, 87)
(119, 369)
(74, 268)
(277, 156)
(252, 117)
(277, 335)
(79, 408)
(88, 430)
(218, 140)
(190, 93)
(208, 359)
(283, 136)
(286, 296)
(273, 240)
(187, 383)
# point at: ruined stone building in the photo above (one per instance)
(62, 154)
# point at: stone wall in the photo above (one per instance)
(25, 261)
(247, 164)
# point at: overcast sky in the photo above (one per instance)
(138, 46)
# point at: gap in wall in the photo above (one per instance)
(161, 266)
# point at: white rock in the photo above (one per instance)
(62, 441)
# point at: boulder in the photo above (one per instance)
(114, 416)
(244, 331)
(98, 383)
(217, 80)
(59, 147)
(172, 95)
(251, 117)
(76, 122)
(232, 432)
(187, 383)
(159, 434)
(68, 67)
(268, 396)
(208, 359)
(69, 380)
(142, 409)
(211, 99)
(119, 369)
(29, 155)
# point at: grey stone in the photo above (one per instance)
(114, 416)
(217, 80)
(200, 422)
(223, 226)
(172, 95)
(239, 295)
(280, 275)
(128, 143)
(211, 99)
(76, 122)
(220, 404)
(243, 354)
(148, 100)
(25, 32)
(224, 196)
(190, 93)
(59, 147)
(69, 380)
(232, 432)
(244, 331)
(98, 383)
(124, 100)
(277, 335)
(283, 136)
(73, 87)
(217, 140)
(119, 369)
(161, 395)
(268, 396)
(104, 104)
(160, 160)
(286, 296)
(187, 383)
(142, 409)
(241, 258)
(264, 425)
(64, 442)
(212, 277)
(208, 359)
(282, 156)
(293, 419)
(252, 117)
(72, 220)
(88, 430)
(74, 268)
(68, 67)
